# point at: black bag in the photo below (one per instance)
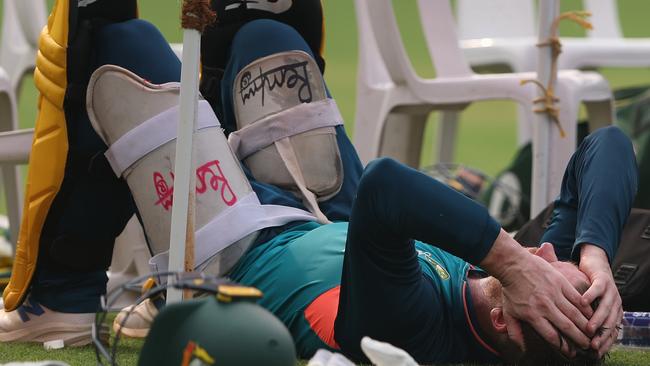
(633, 117)
(631, 265)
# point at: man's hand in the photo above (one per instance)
(603, 324)
(535, 292)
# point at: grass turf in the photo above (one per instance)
(485, 127)
(129, 349)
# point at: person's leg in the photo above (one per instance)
(597, 192)
(261, 38)
(94, 205)
(384, 294)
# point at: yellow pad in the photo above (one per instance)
(49, 150)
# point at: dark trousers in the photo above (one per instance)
(384, 294)
(93, 205)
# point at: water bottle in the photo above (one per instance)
(635, 330)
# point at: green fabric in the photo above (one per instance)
(633, 117)
(300, 264)
(291, 270)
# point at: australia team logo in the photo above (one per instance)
(440, 270)
(194, 355)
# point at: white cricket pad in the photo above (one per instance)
(286, 127)
(138, 121)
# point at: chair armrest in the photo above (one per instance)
(15, 146)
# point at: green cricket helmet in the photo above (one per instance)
(226, 329)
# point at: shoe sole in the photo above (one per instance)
(72, 335)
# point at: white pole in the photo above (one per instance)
(542, 125)
(182, 226)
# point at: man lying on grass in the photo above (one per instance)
(398, 256)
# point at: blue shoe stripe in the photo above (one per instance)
(27, 308)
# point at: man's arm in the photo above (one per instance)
(533, 291)
(411, 205)
(598, 189)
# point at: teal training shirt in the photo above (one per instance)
(299, 265)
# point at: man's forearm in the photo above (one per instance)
(504, 255)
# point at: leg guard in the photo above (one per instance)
(285, 124)
(141, 149)
(305, 16)
(262, 38)
(57, 156)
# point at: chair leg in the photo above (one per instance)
(402, 137)
(561, 148)
(372, 110)
(551, 153)
(13, 195)
(11, 179)
(446, 136)
(524, 127)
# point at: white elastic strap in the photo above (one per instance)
(301, 118)
(232, 225)
(288, 155)
(151, 134)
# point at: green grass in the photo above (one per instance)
(486, 135)
(79, 356)
(129, 349)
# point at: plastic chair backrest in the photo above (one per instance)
(439, 30)
(22, 23)
(517, 18)
(372, 68)
(496, 19)
(439, 27)
(385, 31)
(604, 17)
(32, 15)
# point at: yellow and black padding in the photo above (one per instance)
(70, 194)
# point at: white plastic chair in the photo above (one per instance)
(510, 40)
(390, 95)
(13, 149)
(22, 23)
(502, 33)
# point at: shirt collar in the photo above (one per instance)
(472, 323)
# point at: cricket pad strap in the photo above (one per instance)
(286, 127)
(228, 215)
